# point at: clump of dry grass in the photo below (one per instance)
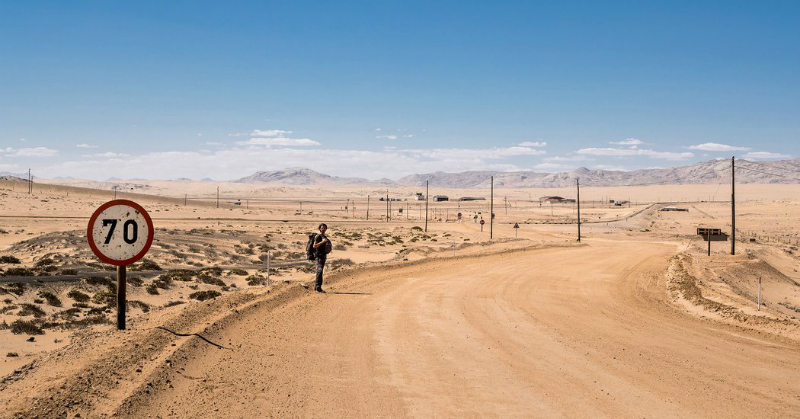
(20, 327)
(30, 310)
(140, 305)
(78, 296)
(9, 259)
(204, 295)
(51, 298)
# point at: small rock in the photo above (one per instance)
(31, 339)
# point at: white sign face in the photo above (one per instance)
(120, 232)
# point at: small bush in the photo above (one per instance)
(44, 262)
(99, 281)
(78, 296)
(16, 288)
(237, 271)
(174, 303)
(105, 298)
(145, 265)
(136, 282)
(139, 304)
(416, 228)
(12, 354)
(69, 272)
(80, 305)
(9, 260)
(204, 295)
(179, 275)
(30, 310)
(24, 327)
(208, 279)
(163, 282)
(152, 289)
(255, 280)
(51, 298)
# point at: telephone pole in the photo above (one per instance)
(367, 207)
(491, 210)
(426, 205)
(30, 182)
(387, 206)
(217, 196)
(578, 183)
(733, 206)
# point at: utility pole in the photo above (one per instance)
(115, 191)
(491, 210)
(387, 206)
(367, 207)
(30, 182)
(184, 199)
(578, 183)
(217, 196)
(426, 205)
(733, 206)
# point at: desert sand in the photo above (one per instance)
(634, 321)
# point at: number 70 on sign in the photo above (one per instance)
(115, 235)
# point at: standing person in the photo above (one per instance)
(322, 247)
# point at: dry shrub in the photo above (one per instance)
(9, 259)
(25, 327)
(51, 298)
(30, 310)
(204, 295)
(78, 296)
(140, 305)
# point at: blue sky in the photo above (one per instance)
(383, 89)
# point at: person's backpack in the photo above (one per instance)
(311, 253)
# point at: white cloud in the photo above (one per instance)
(280, 141)
(629, 141)
(214, 143)
(84, 145)
(109, 154)
(623, 152)
(269, 133)
(377, 129)
(32, 152)
(533, 144)
(408, 136)
(23, 139)
(388, 137)
(765, 155)
(716, 147)
(568, 158)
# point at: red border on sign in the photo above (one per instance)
(147, 219)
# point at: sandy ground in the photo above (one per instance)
(635, 321)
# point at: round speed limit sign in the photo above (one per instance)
(120, 232)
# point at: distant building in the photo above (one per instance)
(471, 198)
(674, 209)
(419, 196)
(555, 199)
(440, 198)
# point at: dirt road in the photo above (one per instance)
(567, 332)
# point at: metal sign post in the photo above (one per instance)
(120, 232)
(516, 230)
(711, 235)
(482, 223)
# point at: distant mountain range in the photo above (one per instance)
(706, 172)
(306, 177)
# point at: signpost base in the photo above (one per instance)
(121, 276)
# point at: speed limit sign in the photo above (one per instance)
(120, 232)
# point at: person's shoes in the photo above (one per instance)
(319, 290)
